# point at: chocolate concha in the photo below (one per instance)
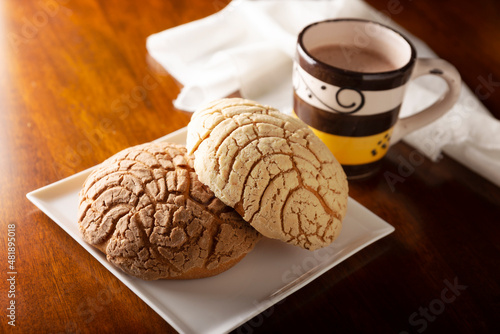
(272, 169)
(147, 211)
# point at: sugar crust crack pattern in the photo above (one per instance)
(272, 169)
(147, 211)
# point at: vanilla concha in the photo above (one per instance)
(269, 166)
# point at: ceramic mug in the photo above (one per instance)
(349, 79)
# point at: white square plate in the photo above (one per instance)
(272, 271)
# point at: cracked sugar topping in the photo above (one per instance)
(272, 169)
(146, 209)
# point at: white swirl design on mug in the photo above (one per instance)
(353, 104)
(343, 100)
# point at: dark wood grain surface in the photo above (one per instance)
(77, 86)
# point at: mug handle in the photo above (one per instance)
(442, 69)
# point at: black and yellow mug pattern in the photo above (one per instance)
(355, 124)
(353, 106)
(356, 150)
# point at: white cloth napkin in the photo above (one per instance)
(249, 45)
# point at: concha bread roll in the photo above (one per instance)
(272, 169)
(147, 211)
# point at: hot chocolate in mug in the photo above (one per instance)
(349, 79)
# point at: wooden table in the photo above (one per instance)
(77, 86)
